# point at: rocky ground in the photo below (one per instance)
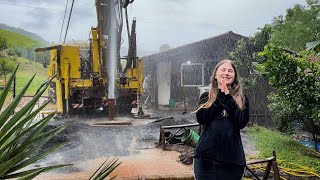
(135, 142)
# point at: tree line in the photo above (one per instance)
(286, 54)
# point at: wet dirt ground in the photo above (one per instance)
(135, 144)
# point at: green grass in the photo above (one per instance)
(287, 149)
(15, 39)
(26, 70)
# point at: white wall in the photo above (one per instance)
(164, 82)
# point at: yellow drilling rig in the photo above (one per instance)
(93, 77)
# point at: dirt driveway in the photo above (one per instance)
(135, 145)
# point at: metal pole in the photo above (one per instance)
(184, 94)
(111, 64)
(14, 87)
(67, 107)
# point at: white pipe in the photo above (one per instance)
(113, 28)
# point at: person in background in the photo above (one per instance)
(219, 154)
(148, 90)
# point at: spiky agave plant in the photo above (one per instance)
(105, 169)
(21, 137)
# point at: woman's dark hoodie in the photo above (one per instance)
(220, 139)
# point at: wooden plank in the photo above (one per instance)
(261, 161)
(112, 123)
(180, 126)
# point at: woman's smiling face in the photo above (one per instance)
(225, 73)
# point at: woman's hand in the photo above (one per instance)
(224, 87)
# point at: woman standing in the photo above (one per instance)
(219, 154)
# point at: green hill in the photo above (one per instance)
(18, 40)
(24, 32)
(25, 45)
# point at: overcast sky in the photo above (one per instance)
(173, 22)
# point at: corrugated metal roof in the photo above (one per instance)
(199, 49)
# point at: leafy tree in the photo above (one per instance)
(30, 53)
(19, 51)
(11, 52)
(245, 55)
(299, 26)
(6, 67)
(3, 43)
(164, 47)
(43, 57)
(296, 79)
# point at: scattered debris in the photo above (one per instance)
(112, 123)
(165, 118)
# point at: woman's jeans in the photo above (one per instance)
(205, 169)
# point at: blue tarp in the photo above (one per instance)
(309, 143)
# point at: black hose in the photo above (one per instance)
(124, 3)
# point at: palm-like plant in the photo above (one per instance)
(21, 136)
(105, 169)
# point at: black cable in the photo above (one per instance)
(127, 22)
(26, 6)
(124, 3)
(65, 36)
(64, 16)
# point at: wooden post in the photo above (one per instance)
(155, 86)
(162, 138)
(111, 112)
(275, 166)
(267, 172)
